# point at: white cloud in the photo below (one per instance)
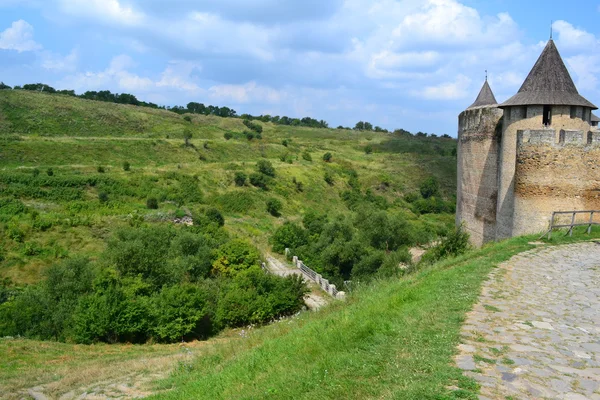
(18, 37)
(457, 89)
(57, 63)
(571, 38)
(246, 93)
(110, 11)
(177, 76)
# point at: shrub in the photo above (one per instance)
(152, 203)
(274, 207)
(249, 135)
(329, 178)
(235, 256)
(258, 136)
(126, 166)
(455, 243)
(50, 172)
(240, 178)
(35, 172)
(103, 197)
(187, 118)
(327, 157)
(100, 169)
(215, 216)
(205, 145)
(306, 156)
(265, 167)
(430, 187)
(259, 180)
(187, 136)
(289, 235)
(180, 313)
(411, 197)
(284, 142)
(253, 126)
(227, 135)
(368, 149)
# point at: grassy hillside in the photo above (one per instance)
(391, 340)
(75, 137)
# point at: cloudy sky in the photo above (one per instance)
(412, 64)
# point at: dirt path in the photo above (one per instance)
(313, 300)
(535, 332)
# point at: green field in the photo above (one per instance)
(75, 137)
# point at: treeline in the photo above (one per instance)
(158, 283)
(199, 108)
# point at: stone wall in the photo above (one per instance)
(477, 189)
(516, 219)
(556, 170)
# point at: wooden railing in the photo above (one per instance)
(589, 223)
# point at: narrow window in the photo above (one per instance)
(586, 114)
(573, 111)
(508, 113)
(524, 111)
(547, 116)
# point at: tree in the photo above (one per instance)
(240, 179)
(430, 187)
(187, 135)
(274, 207)
(368, 126)
(327, 157)
(4, 87)
(265, 167)
(360, 126)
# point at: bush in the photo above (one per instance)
(265, 167)
(258, 136)
(253, 126)
(274, 207)
(103, 197)
(284, 142)
(327, 157)
(50, 172)
(453, 244)
(215, 216)
(368, 149)
(126, 166)
(249, 135)
(329, 178)
(289, 235)
(187, 118)
(235, 256)
(152, 203)
(227, 135)
(240, 178)
(259, 180)
(430, 187)
(411, 197)
(306, 156)
(35, 172)
(180, 313)
(100, 169)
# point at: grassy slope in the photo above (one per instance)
(392, 340)
(75, 136)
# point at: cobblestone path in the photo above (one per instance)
(535, 332)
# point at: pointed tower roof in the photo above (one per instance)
(548, 83)
(486, 97)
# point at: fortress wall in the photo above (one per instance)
(553, 175)
(478, 146)
(509, 221)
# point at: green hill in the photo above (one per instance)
(78, 207)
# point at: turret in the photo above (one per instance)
(546, 114)
(478, 147)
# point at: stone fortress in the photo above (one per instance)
(536, 153)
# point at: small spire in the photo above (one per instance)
(486, 75)
(551, 28)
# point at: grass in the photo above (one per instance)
(74, 137)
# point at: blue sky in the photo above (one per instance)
(412, 64)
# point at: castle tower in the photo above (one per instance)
(549, 153)
(478, 148)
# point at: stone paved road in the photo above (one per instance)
(535, 333)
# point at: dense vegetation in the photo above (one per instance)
(151, 282)
(82, 181)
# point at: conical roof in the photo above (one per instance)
(594, 118)
(486, 97)
(548, 83)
